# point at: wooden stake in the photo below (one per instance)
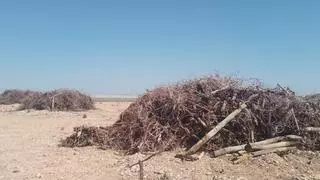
(141, 173)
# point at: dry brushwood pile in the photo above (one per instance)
(315, 98)
(59, 100)
(178, 116)
(14, 96)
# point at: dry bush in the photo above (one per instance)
(313, 98)
(15, 96)
(179, 115)
(86, 136)
(59, 100)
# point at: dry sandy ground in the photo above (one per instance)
(29, 150)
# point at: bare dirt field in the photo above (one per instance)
(29, 150)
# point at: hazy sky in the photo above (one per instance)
(125, 46)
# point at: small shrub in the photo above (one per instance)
(15, 96)
(59, 100)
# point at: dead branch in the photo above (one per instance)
(252, 136)
(140, 163)
(228, 150)
(53, 100)
(280, 138)
(202, 122)
(312, 129)
(234, 149)
(218, 90)
(275, 150)
(254, 147)
(295, 119)
(146, 159)
(285, 90)
(215, 130)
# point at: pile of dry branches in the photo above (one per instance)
(59, 100)
(14, 96)
(180, 115)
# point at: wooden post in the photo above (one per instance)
(272, 146)
(141, 173)
(312, 129)
(264, 143)
(268, 151)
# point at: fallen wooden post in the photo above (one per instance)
(229, 150)
(268, 151)
(234, 149)
(280, 138)
(271, 146)
(312, 129)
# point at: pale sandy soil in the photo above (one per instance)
(29, 150)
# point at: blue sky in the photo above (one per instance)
(125, 46)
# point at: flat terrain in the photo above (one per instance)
(29, 150)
